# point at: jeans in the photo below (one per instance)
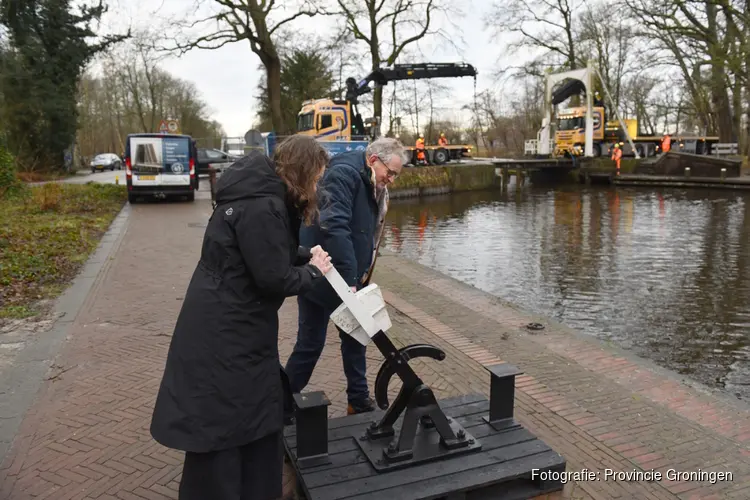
(311, 338)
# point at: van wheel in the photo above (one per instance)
(191, 197)
(131, 198)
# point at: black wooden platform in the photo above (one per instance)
(502, 469)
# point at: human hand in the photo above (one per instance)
(354, 289)
(316, 249)
(321, 260)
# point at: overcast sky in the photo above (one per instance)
(227, 78)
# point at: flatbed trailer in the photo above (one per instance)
(438, 155)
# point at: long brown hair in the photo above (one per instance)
(299, 160)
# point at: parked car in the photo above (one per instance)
(106, 161)
(216, 157)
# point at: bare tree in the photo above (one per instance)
(609, 41)
(542, 25)
(259, 23)
(346, 60)
(695, 32)
(388, 27)
(131, 94)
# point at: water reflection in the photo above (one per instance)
(664, 273)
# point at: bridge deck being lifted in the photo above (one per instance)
(538, 163)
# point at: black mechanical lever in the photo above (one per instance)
(391, 365)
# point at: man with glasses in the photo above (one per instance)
(353, 202)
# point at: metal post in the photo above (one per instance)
(212, 182)
(588, 150)
(502, 393)
(614, 108)
(544, 135)
(311, 418)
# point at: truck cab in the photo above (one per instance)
(571, 127)
(330, 120)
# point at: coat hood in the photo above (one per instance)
(252, 176)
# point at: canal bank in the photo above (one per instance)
(433, 180)
(416, 182)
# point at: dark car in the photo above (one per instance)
(218, 158)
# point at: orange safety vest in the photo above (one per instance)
(420, 150)
(616, 154)
(443, 141)
(666, 143)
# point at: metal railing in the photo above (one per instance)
(531, 146)
(725, 149)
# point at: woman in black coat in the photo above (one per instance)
(223, 393)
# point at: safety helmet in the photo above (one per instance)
(442, 134)
(421, 136)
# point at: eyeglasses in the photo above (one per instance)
(391, 173)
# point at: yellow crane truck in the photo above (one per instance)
(339, 119)
(571, 127)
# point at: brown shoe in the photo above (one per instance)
(360, 407)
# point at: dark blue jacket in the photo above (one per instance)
(346, 225)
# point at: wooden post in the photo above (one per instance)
(506, 177)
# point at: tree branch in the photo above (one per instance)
(398, 48)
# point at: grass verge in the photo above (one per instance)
(47, 233)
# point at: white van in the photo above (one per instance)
(160, 165)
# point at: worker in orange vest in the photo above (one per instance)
(421, 159)
(442, 141)
(666, 143)
(616, 157)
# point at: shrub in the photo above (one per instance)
(9, 181)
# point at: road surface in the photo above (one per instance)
(106, 177)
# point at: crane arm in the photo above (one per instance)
(417, 71)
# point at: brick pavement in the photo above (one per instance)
(86, 437)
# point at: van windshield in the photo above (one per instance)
(167, 155)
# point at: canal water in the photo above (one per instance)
(663, 273)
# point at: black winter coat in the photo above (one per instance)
(223, 385)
